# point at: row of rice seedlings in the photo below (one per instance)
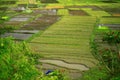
(63, 12)
(66, 41)
(110, 20)
(96, 13)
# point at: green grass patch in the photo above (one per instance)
(63, 12)
(68, 40)
(109, 20)
(74, 8)
(96, 13)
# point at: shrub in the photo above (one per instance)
(95, 74)
(112, 37)
(109, 58)
(7, 28)
(55, 75)
(15, 64)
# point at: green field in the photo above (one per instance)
(67, 40)
(63, 12)
(72, 38)
(96, 13)
(110, 20)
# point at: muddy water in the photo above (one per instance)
(26, 31)
(17, 36)
(112, 26)
(66, 65)
(19, 19)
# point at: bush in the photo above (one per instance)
(112, 37)
(108, 57)
(18, 63)
(8, 28)
(95, 74)
(15, 64)
(49, 1)
(55, 75)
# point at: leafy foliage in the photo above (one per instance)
(15, 62)
(6, 29)
(96, 74)
(63, 12)
(55, 75)
(108, 57)
(112, 37)
(4, 4)
(111, 59)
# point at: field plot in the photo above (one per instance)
(63, 12)
(110, 20)
(96, 13)
(67, 40)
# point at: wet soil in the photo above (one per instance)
(78, 13)
(27, 28)
(17, 36)
(19, 19)
(26, 31)
(41, 23)
(46, 11)
(116, 14)
(49, 1)
(86, 6)
(113, 26)
(108, 1)
(112, 11)
(111, 16)
(73, 66)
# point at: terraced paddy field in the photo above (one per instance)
(67, 40)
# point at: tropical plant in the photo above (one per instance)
(55, 75)
(15, 61)
(112, 37)
(7, 28)
(111, 60)
(112, 56)
(98, 73)
(109, 57)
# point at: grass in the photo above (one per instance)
(54, 6)
(110, 20)
(27, 2)
(96, 13)
(74, 9)
(67, 40)
(63, 12)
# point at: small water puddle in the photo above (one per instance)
(17, 36)
(112, 26)
(19, 19)
(26, 31)
(47, 12)
(66, 65)
(24, 16)
(78, 12)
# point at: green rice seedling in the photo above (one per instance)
(63, 12)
